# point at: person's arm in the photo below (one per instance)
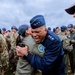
(48, 61)
(67, 46)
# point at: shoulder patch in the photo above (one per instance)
(41, 48)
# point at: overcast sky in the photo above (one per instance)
(18, 12)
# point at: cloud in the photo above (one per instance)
(17, 12)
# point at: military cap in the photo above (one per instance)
(63, 28)
(71, 9)
(70, 26)
(54, 29)
(14, 27)
(57, 27)
(49, 28)
(37, 21)
(8, 31)
(4, 29)
(22, 29)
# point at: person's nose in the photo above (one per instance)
(34, 34)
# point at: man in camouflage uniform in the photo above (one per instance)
(3, 31)
(11, 43)
(4, 57)
(71, 11)
(23, 67)
(72, 53)
(66, 45)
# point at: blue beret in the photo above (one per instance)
(49, 28)
(22, 29)
(57, 27)
(14, 27)
(37, 21)
(8, 31)
(54, 29)
(4, 29)
(63, 28)
(70, 26)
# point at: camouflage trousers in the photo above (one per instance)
(4, 62)
(66, 63)
(13, 58)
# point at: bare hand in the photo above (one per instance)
(21, 51)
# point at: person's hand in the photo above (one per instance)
(21, 51)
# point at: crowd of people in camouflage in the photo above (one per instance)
(7, 50)
(8, 45)
(12, 64)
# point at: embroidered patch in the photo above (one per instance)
(41, 48)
